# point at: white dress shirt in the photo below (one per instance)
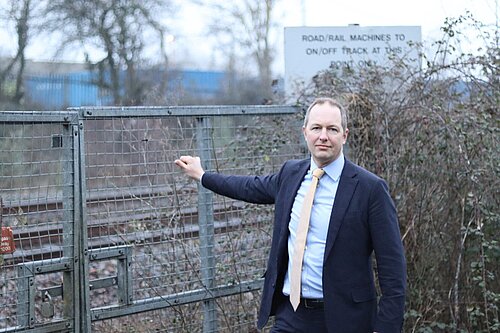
(312, 267)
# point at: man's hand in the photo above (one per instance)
(191, 166)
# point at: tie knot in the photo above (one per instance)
(318, 173)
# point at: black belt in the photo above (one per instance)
(311, 303)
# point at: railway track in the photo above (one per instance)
(38, 241)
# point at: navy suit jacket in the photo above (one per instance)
(363, 221)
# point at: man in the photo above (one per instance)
(352, 216)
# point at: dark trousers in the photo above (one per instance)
(304, 320)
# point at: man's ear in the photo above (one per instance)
(346, 133)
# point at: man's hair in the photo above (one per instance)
(332, 102)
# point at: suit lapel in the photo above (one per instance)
(294, 179)
(345, 191)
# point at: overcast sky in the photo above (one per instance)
(429, 14)
(190, 45)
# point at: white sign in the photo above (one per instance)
(309, 50)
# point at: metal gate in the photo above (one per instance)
(110, 237)
(39, 174)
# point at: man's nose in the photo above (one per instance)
(323, 135)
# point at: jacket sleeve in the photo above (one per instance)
(253, 189)
(391, 263)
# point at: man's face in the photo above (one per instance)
(324, 133)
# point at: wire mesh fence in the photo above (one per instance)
(36, 182)
(157, 251)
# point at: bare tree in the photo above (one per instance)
(120, 30)
(247, 26)
(20, 13)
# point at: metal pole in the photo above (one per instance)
(206, 222)
(70, 230)
(81, 211)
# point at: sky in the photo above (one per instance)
(191, 49)
(429, 14)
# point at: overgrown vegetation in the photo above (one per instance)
(433, 134)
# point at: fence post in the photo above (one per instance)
(71, 235)
(206, 224)
(84, 318)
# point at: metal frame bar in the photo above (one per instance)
(46, 328)
(190, 111)
(206, 223)
(25, 296)
(84, 318)
(39, 117)
(70, 235)
(167, 301)
(76, 227)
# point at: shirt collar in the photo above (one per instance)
(334, 169)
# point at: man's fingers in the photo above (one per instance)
(180, 163)
(186, 161)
